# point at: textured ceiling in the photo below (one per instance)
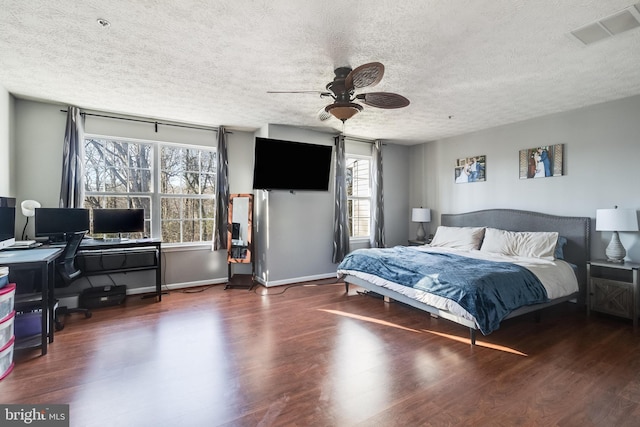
(484, 63)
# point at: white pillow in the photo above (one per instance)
(466, 238)
(541, 244)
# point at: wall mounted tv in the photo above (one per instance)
(289, 165)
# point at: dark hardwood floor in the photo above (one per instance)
(314, 356)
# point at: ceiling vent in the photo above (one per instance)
(619, 22)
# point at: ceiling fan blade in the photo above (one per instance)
(385, 100)
(319, 92)
(365, 75)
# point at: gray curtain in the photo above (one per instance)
(377, 198)
(222, 192)
(72, 182)
(341, 218)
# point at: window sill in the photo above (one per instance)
(184, 247)
(359, 243)
(359, 239)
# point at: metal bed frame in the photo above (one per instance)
(577, 231)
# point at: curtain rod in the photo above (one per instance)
(362, 140)
(355, 138)
(153, 122)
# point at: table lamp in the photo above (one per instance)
(616, 220)
(421, 215)
(28, 209)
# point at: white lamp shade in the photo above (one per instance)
(616, 220)
(421, 215)
(29, 207)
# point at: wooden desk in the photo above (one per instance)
(42, 261)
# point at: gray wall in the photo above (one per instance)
(6, 153)
(295, 237)
(39, 134)
(395, 167)
(602, 146)
(38, 137)
(294, 231)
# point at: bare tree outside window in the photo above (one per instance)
(121, 174)
(187, 194)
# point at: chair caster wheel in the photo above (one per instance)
(59, 326)
(88, 315)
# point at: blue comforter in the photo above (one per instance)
(488, 290)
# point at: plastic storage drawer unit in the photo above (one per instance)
(6, 358)
(6, 329)
(7, 296)
(4, 276)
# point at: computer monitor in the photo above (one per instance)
(118, 221)
(7, 221)
(55, 223)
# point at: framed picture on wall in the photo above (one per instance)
(542, 162)
(470, 169)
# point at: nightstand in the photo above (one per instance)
(613, 289)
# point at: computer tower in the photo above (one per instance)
(103, 296)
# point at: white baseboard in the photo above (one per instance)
(269, 284)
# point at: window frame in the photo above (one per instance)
(368, 198)
(155, 193)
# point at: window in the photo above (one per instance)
(178, 194)
(359, 195)
(187, 193)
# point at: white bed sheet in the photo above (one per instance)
(557, 277)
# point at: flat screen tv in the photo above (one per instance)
(118, 221)
(7, 221)
(55, 223)
(288, 165)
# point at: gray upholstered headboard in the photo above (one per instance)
(577, 231)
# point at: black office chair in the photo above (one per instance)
(66, 273)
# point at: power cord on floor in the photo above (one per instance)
(200, 289)
(254, 289)
(296, 285)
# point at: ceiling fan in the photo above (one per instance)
(342, 90)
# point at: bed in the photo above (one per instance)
(561, 274)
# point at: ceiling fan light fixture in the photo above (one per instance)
(343, 111)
